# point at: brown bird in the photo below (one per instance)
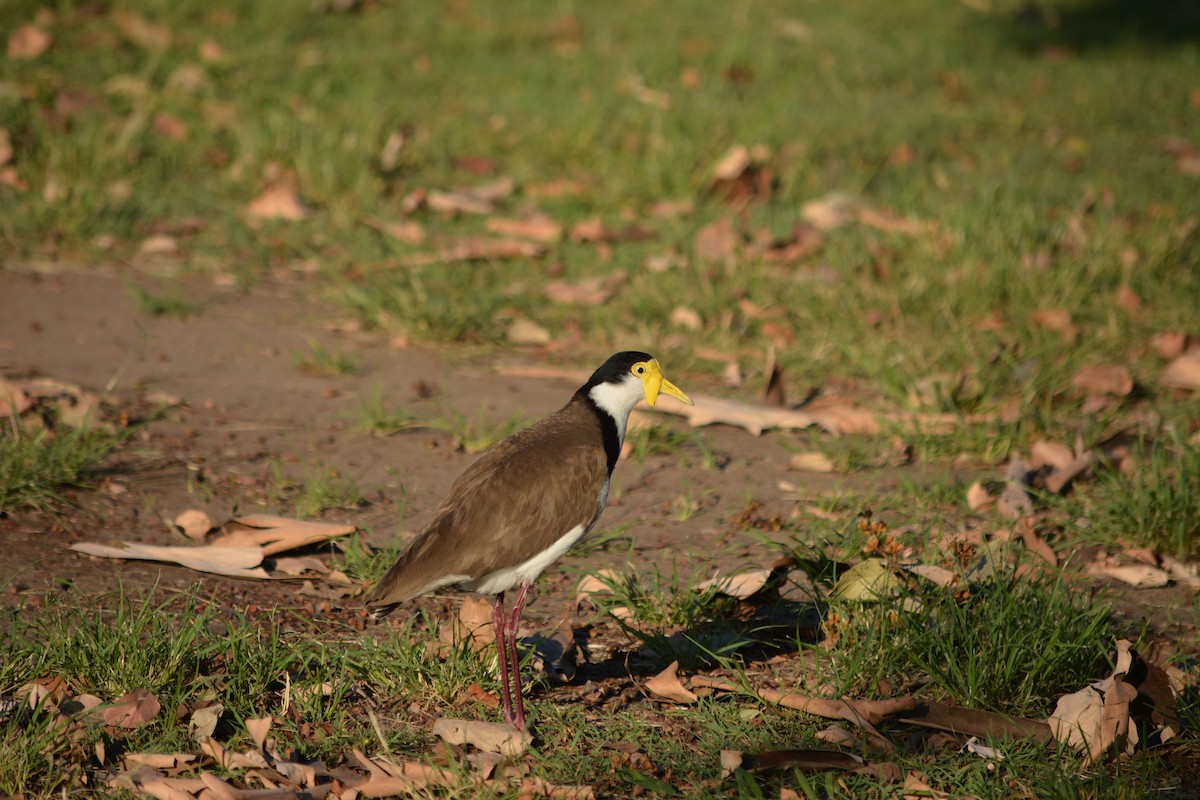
(525, 503)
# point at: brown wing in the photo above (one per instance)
(515, 501)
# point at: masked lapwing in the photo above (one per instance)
(523, 504)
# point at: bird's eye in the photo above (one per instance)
(639, 370)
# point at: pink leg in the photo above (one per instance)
(499, 624)
(510, 633)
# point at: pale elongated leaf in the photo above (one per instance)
(236, 562)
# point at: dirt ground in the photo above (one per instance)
(248, 410)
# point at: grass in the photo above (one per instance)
(1021, 151)
(1158, 505)
(321, 361)
(317, 491)
(38, 463)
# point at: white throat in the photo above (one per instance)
(618, 400)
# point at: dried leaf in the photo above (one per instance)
(931, 572)
(1167, 344)
(539, 228)
(831, 211)
(1055, 319)
(1026, 527)
(478, 249)
(279, 201)
(407, 231)
(1054, 454)
(237, 562)
(868, 580)
(27, 42)
(524, 331)
(753, 418)
(194, 524)
(1183, 372)
(133, 710)
(811, 462)
(731, 165)
(587, 292)
(808, 760)
(667, 686)
(1139, 576)
(1100, 379)
(277, 534)
(742, 586)
(532, 786)
(203, 721)
(258, 728)
(688, 318)
(300, 565)
(491, 737)
(142, 32)
(978, 498)
(1114, 729)
(717, 241)
(13, 400)
(159, 244)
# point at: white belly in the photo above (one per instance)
(504, 579)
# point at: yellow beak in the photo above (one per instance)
(653, 382)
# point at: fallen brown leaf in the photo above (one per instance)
(27, 42)
(492, 737)
(194, 524)
(667, 686)
(133, 710)
(258, 728)
(141, 32)
(524, 331)
(1168, 345)
(278, 201)
(277, 534)
(407, 231)
(1055, 319)
(532, 786)
(1103, 379)
(539, 228)
(237, 562)
(587, 292)
(478, 249)
(978, 498)
(687, 318)
(717, 241)
(1183, 372)
(1055, 454)
(811, 462)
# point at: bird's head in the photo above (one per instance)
(627, 378)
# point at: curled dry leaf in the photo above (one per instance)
(491, 737)
(407, 231)
(933, 573)
(716, 241)
(524, 331)
(236, 562)
(13, 400)
(667, 686)
(279, 201)
(532, 786)
(978, 498)
(1139, 576)
(1169, 344)
(194, 524)
(555, 656)
(753, 418)
(1103, 379)
(1054, 454)
(27, 42)
(258, 728)
(277, 534)
(687, 318)
(158, 244)
(478, 249)
(741, 586)
(539, 228)
(1055, 319)
(1183, 372)
(811, 462)
(133, 710)
(203, 721)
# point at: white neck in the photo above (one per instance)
(618, 400)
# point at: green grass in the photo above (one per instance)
(37, 463)
(1158, 505)
(321, 361)
(318, 490)
(1030, 146)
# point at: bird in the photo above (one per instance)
(523, 504)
